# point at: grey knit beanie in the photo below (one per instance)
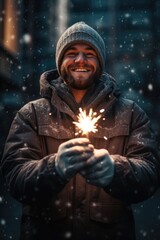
(80, 32)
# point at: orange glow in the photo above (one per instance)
(87, 123)
(10, 38)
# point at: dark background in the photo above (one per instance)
(29, 31)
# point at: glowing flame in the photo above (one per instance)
(87, 123)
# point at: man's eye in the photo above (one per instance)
(70, 54)
(90, 55)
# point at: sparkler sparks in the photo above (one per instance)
(87, 123)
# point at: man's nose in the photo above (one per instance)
(80, 58)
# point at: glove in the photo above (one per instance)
(72, 156)
(100, 168)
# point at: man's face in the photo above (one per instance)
(80, 66)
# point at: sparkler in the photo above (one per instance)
(87, 123)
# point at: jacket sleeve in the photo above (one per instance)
(29, 175)
(136, 175)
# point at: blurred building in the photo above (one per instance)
(131, 31)
(28, 34)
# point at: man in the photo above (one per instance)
(73, 187)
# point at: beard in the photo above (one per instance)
(80, 84)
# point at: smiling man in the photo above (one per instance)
(73, 187)
(80, 68)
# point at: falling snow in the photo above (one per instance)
(26, 38)
(150, 87)
(68, 235)
(132, 58)
(2, 222)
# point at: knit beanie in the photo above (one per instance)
(80, 32)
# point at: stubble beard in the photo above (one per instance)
(70, 81)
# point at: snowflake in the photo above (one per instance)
(3, 222)
(150, 87)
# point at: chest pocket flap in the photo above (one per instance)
(58, 132)
(117, 130)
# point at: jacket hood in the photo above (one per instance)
(52, 86)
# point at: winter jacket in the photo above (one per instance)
(57, 209)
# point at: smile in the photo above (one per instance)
(80, 70)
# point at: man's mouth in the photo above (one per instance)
(80, 70)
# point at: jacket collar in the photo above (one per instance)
(98, 97)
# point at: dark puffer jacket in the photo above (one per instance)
(55, 209)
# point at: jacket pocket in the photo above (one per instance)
(59, 132)
(117, 130)
(107, 213)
